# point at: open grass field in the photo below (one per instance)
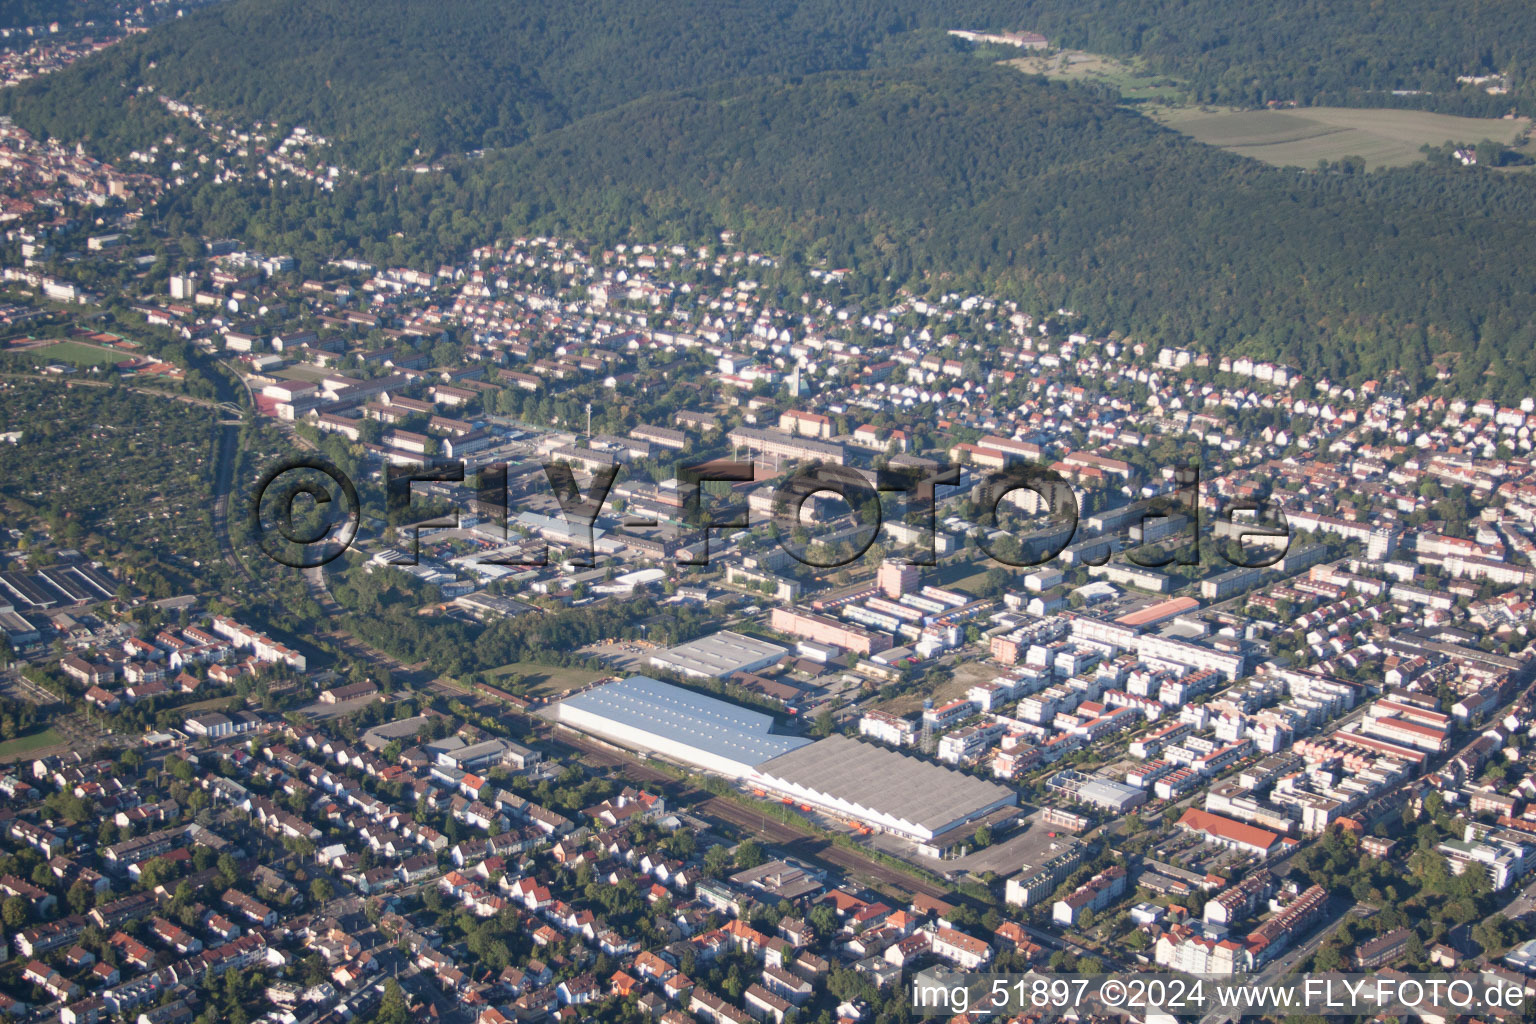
(82, 354)
(543, 680)
(211, 704)
(1302, 136)
(308, 374)
(970, 584)
(1297, 137)
(969, 576)
(30, 742)
(1135, 84)
(961, 679)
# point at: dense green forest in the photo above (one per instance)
(396, 80)
(1315, 52)
(936, 176)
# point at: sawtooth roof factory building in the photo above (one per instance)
(720, 655)
(881, 788)
(932, 806)
(676, 723)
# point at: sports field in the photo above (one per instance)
(81, 354)
(1302, 136)
(38, 740)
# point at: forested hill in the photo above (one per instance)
(938, 175)
(1310, 51)
(394, 80)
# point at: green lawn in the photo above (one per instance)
(967, 576)
(211, 704)
(543, 680)
(1134, 82)
(30, 742)
(81, 354)
(309, 374)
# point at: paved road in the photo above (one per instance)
(314, 579)
(1336, 912)
(1521, 903)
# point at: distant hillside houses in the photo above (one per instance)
(1023, 40)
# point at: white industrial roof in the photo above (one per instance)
(879, 779)
(680, 715)
(719, 655)
(554, 528)
(1108, 793)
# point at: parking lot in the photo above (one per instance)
(1029, 845)
(630, 656)
(1188, 851)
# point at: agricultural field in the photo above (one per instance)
(1295, 137)
(81, 354)
(1135, 84)
(1300, 137)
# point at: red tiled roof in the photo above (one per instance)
(1226, 828)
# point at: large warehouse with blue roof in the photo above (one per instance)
(885, 790)
(676, 723)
